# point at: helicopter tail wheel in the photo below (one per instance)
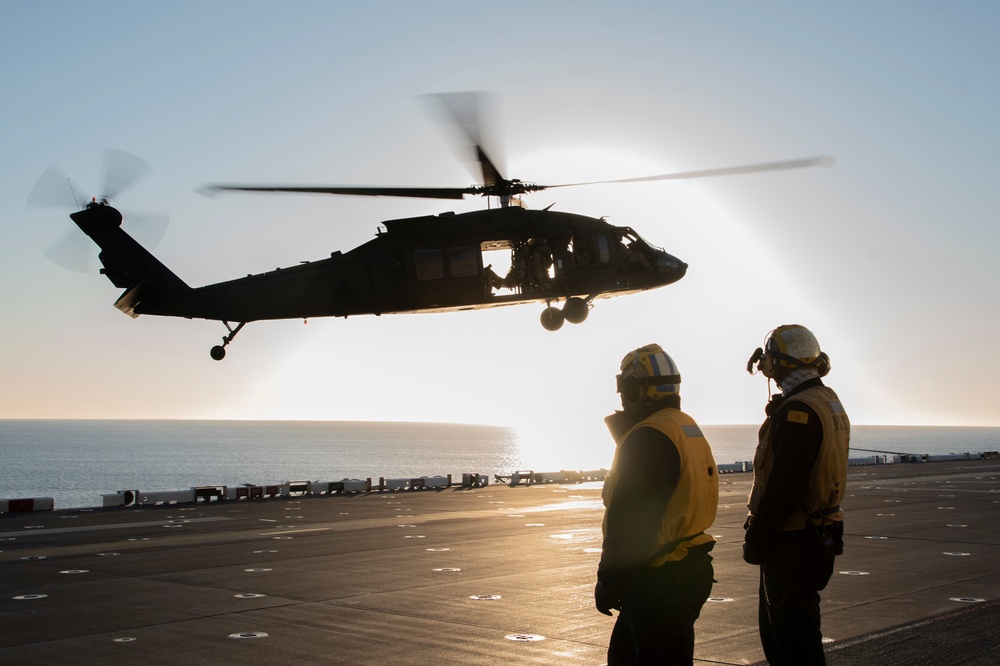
(218, 352)
(575, 310)
(552, 318)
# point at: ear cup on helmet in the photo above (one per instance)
(823, 364)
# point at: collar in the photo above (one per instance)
(799, 387)
(622, 421)
(793, 379)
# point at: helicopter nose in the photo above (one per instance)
(670, 267)
(670, 264)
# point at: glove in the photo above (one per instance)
(751, 555)
(606, 598)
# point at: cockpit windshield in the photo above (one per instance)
(629, 236)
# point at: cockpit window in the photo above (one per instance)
(629, 236)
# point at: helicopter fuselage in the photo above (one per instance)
(422, 264)
(435, 263)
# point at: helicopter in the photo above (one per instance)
(427, 264)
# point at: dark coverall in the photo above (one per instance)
(794, 565)
(659, 605)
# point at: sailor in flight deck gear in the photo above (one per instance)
(796, 525)
(660, 498)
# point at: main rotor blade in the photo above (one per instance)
(362, 191)
(825, 161)
(465, 111)
(121, 169)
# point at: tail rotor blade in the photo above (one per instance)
(121, 169)
(73, 251)
(54, 190)
(146, 228)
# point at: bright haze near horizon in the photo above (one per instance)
(891, 256)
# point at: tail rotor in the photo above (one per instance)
(54, 190)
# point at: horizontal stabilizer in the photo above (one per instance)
(131, 298)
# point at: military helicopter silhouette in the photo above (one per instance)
(425, 264)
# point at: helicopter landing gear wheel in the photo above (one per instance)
(575, 310)
(552, 318)
(218, 352)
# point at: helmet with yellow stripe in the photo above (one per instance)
(647, 373)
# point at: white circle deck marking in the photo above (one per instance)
(123, 639)
(446, 569)
(75, 571)
(30, 597)
(258, 570)
(436, 550)
(249, 595)
(249, 634)
(854, 573)
(720, 600)
(524, 638)
(485, 597)
(956, 554)
(967, 600)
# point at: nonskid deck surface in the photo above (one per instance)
(491, 575)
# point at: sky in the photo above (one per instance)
(891, 257)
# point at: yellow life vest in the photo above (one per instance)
(828, 479)
(691, 509)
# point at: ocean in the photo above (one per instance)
(76, 461)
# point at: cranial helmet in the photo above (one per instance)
(794, 346)
(648, 373)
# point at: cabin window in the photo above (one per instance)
(603, 249)
(429, 265)
(464, 261)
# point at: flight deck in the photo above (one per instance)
(487, 575)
